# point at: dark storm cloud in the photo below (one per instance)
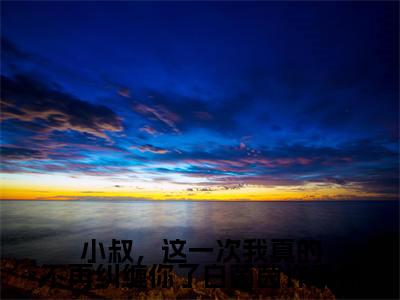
(28, 100)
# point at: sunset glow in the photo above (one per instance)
(183, 114)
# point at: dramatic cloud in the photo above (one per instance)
(17, 153)
(159, 113)
(176, 113)
(293, 106)
(25, 99)
(148, 129)
(124, 92)
(150, 148)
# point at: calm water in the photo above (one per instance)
(354, 235)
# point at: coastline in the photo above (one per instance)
(24, 279)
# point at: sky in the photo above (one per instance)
(200, 100)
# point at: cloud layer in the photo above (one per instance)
(278, 100)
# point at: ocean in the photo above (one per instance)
(360, 239)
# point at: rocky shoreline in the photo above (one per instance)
(25, 279)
